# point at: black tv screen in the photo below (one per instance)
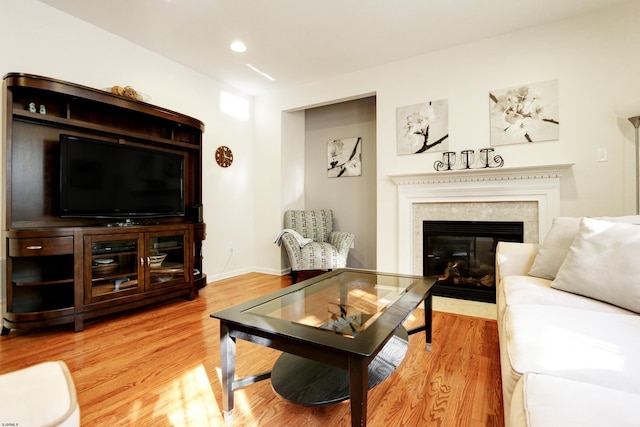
(109, 180)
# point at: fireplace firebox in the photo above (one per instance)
(462, 255)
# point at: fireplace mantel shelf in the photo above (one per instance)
(483, 174)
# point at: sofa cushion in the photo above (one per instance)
(600, 264)
(515, 290)
(583, 345)
(546, 401)
(556, 244)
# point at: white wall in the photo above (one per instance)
(38, 39)
(593, 58)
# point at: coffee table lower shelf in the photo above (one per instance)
(309, 383)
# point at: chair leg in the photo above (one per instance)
(294, 276)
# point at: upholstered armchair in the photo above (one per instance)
(311, 243)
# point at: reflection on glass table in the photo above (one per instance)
(346, 306)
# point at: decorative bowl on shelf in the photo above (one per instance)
(128, 92)
(155, 260)
(102, 268)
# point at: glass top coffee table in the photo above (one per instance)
(343, 319)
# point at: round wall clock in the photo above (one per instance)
(224, 156)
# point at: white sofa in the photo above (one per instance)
(568, 325)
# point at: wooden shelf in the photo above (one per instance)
(114, 275)
(81, 125)
(39, 282)
(109, 288)
(167, 268)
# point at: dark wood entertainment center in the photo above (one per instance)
(67, 270)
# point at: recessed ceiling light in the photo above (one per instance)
(238, 46)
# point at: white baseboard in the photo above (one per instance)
(273, 271)
(229, 274)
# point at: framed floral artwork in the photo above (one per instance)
(423, 127)
(344, 157)
(527, 113)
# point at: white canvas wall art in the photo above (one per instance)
(423, 127)
(526, 113)
(344, 157)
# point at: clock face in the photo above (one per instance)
(224, 156)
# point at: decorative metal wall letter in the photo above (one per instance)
(467, 158)
(423, 127)
(344, 156)
(487, 158)
(527, 113)
(447, 162)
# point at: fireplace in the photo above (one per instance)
(530, 194)
(462, 255)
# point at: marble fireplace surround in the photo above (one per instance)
(528, 194)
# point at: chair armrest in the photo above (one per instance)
(293, 250)
(514, 259)
(342, 241)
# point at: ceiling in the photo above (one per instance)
(301, 41)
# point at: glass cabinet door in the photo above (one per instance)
(166, 259)
(114, 269)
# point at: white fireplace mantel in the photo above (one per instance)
(482, 174)
(539, 184)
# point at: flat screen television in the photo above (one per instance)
(101, 179)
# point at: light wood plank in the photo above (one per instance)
(160, 366)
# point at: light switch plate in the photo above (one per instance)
(602, 155)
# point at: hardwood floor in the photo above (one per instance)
(160, 366)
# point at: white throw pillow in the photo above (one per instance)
(601, 264)
(554, 249)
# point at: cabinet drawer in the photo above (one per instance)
(41, 246)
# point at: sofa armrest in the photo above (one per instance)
(514, 259)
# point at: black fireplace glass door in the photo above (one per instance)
(462, 255)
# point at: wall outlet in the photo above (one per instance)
(602, 154)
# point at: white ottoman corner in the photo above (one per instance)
(40, 395)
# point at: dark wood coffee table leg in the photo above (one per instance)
(228, 366)
(428, 318)
(358, 388)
